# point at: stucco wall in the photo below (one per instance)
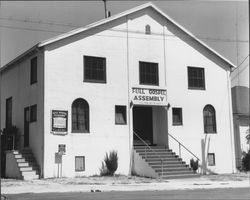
(15, 83)
(123, 44)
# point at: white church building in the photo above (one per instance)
(137, 83)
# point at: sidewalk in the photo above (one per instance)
(123, 183)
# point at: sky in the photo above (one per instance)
(221, 24)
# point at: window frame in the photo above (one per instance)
(33, 70)
(33, 108)
(181, 117)
(125, 109)
(84, 164)
(91, 80)
(87, 121)
(140, 73)
(203, 87)
(213, 120)
(213, 159)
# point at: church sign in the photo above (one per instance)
(147, 96)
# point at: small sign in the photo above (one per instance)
(58, 158)
(59, 122)
(62, 149)
(147, 96)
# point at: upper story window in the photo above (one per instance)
(94, 69)
(196, 78)
(209, 119)
(80, 116)
(148, 73)
(147, 29)
(33, 70)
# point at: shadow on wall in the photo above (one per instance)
(205, 144)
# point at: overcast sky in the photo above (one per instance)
(218, 23)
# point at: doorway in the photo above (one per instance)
(26, 126)
(143, 123)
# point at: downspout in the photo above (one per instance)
(231, 120)
(129, 108)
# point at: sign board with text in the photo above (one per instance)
(59, 122)
(147, 96)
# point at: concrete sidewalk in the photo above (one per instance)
(123, 183)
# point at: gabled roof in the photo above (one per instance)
(114, 17)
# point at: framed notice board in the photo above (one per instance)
(59, 122)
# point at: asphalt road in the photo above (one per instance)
(227, 194)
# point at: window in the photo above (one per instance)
(177, 116)
(8, 114)
(148, 73)
(80, 116)
(120, 115)
(94, 69)
(196, 78)
(211, 159)
(33, 113)
(79, 163)
(33, 70)
(147, 30)
(209, 119)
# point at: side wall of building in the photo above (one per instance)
(15, 83)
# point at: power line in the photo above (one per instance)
(39, 21)
(138, 32)
(30, 29)
(241, 62)
(239, 72)
(52, 23)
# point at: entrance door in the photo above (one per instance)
(143, 123)
(26, 126)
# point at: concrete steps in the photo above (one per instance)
(26, 163)
(164, 162)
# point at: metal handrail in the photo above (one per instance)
(150, 150)
(180, 144)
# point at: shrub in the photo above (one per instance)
(194, 164)
(110, 164)
(246, 161)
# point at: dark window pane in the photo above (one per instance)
(33, 70)
(8, 118)
(80, 116)
(120, 115)
(177, 116)
(94, 69)
(79, 163)
(148, 73)
(211, 159)
(33, 113)
(209, 119)
(196, 78)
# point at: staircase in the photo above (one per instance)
(163, 162)
(27, 168)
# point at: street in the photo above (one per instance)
(228, 193)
